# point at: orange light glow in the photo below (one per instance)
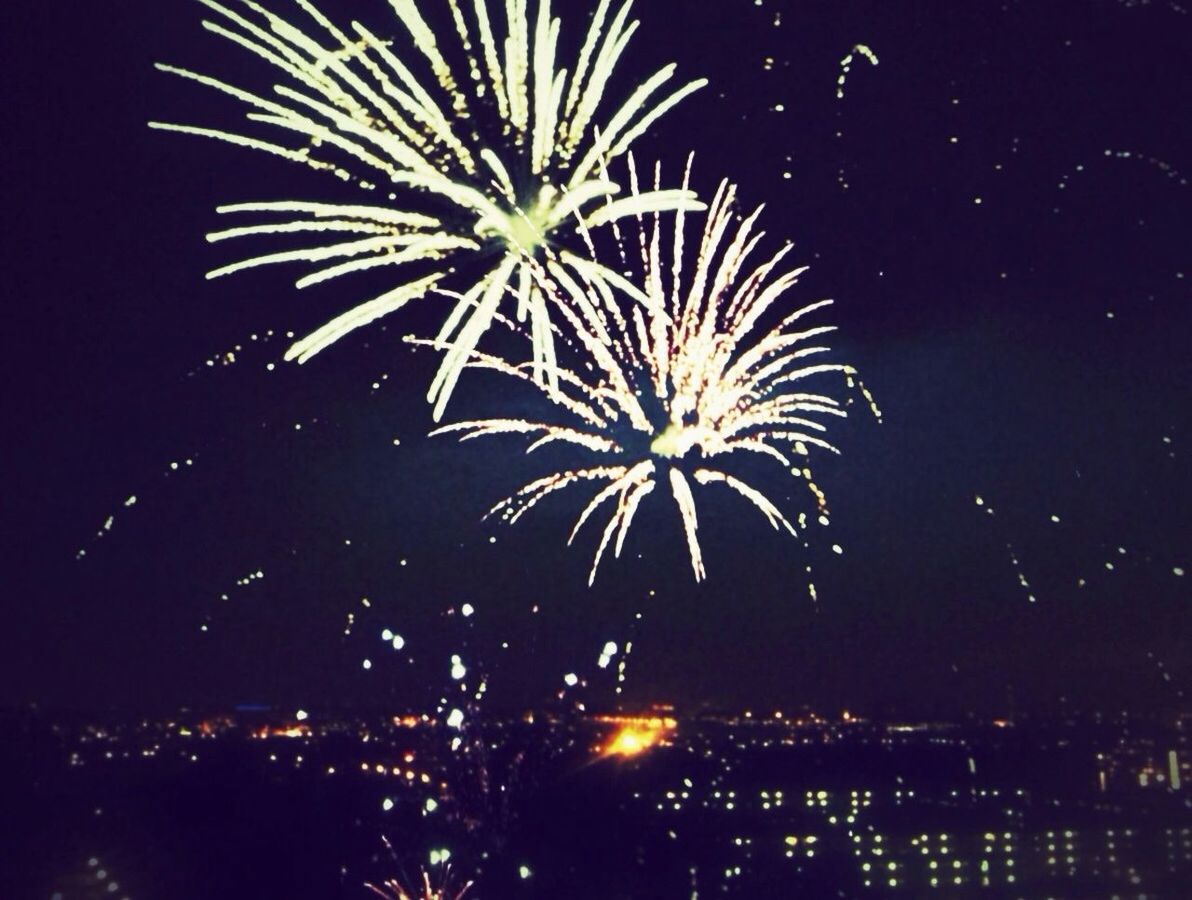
(289, 731)
(635, 736)
(214, 726)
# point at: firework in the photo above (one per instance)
(351, 105)
(688, 372)
(444, 889)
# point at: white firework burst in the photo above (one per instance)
(685, 378)
(410, 124)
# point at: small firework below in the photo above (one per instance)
(635, 735)
(444, 890)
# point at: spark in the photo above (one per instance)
(352, 106)
(688, 371)
(607, 654)
(232, 356)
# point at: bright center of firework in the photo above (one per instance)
(673, 441)
(526, 224)
(525, 231)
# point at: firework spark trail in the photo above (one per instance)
(689, 368)
(174, 468)
(1107, 558)
(350, 106)
(847, 63)
(106, 528)
(1166, 169)
(237, 352)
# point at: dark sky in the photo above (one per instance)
(1030, 348)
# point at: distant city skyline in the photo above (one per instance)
(725, 803)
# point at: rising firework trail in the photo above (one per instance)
(499, 150)
(680, 375)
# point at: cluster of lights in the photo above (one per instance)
(937, 860)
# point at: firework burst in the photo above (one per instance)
(443, 888)
(351, 105)
(394, 890)
(684, 378)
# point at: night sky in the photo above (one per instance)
(999, 208)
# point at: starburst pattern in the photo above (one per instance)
(353, 105)
(684, 379)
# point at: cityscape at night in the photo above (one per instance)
(707, 805)
(597, 450)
